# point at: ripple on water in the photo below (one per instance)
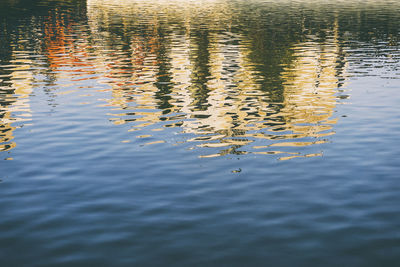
(199, 132)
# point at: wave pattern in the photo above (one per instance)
(211, 132)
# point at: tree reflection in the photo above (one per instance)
(239, 77)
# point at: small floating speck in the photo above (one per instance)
(125, 141)
(237, 171)
(8, 158)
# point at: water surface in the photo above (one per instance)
(199, 132)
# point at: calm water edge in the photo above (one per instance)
(199, 133)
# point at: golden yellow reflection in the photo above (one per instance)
(14, 97)
(310, 86)
(208, 80)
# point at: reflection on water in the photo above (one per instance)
(218, 81)
(221, 73)
(15, 87)
(107, 105)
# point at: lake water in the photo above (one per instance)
(205, 133)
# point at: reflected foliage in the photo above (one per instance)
(230, 77)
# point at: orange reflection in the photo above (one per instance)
(185, 68)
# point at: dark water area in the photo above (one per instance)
(205, 133)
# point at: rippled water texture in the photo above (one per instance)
(212, 132)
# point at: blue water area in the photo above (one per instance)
(199, 133)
